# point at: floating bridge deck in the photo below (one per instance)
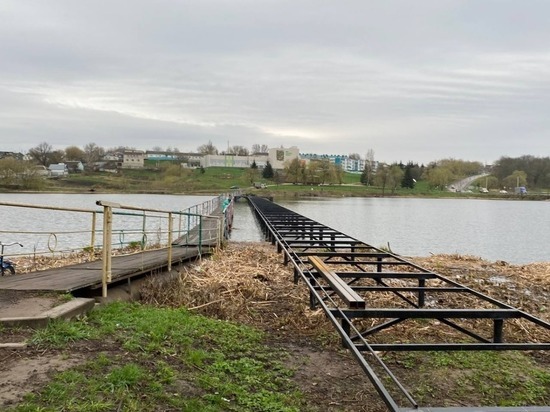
(88, 275)
(345, 277)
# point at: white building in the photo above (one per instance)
(133, 159)
(58, 169)
(345, 162)
(231, 160)
(280, 157)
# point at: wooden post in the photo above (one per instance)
(107, 247)
(170, 228)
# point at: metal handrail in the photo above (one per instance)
(158, 227)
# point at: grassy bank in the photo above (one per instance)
(215, 180)
(149, 359)
(135, 357)
(249, 342)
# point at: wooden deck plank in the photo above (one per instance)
(89, 274)
(337, 284)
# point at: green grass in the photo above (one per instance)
(153, 359)
(220, 179)
(483, 378)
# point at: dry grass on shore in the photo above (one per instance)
(248, 283)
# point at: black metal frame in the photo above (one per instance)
(299, 237)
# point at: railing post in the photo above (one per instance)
(200, 235)
(221, 231)
(143, 230)
(107, 247)
(170, 241)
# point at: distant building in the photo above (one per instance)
(231, 160)
(74, 166)
(41, 170)
(280, 157)
(15, 155)
(58, 169)
(185, 159)
(133, 159)
(345, 162)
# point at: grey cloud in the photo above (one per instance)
(412, 80)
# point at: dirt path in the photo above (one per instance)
(15, 304)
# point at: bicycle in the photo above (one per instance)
(5, 264)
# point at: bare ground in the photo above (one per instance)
(256, 289)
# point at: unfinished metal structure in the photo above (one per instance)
(366, 291)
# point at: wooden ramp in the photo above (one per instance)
(89, 274)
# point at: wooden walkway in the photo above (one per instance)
(89, 274)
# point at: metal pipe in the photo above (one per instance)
(92, 241)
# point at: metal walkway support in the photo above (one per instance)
(343, 274)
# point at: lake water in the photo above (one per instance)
(44, 231)
(513, 231)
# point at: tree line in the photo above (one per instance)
(531, 171)
(507, 172)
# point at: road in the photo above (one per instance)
(463, 184)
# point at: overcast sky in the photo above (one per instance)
(412, 80)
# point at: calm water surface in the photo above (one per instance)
(49, 230)
(513, 231)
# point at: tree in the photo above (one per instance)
(207, 149)
(438, 177)
(365, 176)
(257, 148)
(339, 174)
(536, 168)
(294, 171)
(370, 167)
(395, 176)
(381, 176)
(326, 171)
(460, 168)
(93, 153)
(10, 170)
(238, 151)
(268, 171)
(41, 153)
(254, 165)
(354, 156)
(408, 179)
(252, 174)
(516, 179)
(278, 177)
(312, 173)
(74, 153)
(57, 156)
(14, 172)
